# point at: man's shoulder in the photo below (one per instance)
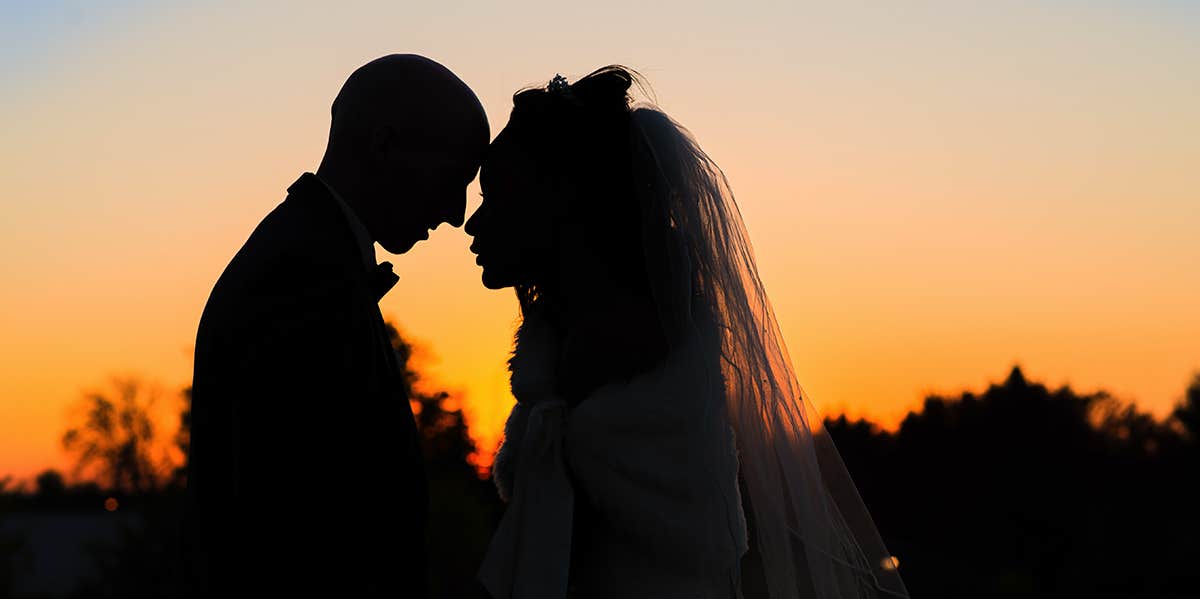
(274, 249)
(293, 253)
(303, 232)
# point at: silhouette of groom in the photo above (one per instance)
(304, 474)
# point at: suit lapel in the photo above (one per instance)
(344, 249)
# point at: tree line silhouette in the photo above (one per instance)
(1024, 491)
(1020, 491)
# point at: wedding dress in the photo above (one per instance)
(656, 487)
(651, 458)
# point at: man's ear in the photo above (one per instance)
(384, 142)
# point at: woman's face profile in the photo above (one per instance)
(513, 229)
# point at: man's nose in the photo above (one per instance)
(473, 223)
(456, 211)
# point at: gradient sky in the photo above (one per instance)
(936, 190)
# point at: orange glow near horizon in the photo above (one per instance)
(935, 193)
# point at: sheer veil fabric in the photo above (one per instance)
(810, 529)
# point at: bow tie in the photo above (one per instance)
(382, 279)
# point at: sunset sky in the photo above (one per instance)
(935, 190)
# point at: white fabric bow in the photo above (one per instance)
(530, 554)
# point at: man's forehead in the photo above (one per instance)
(447, 164)
(450, 138)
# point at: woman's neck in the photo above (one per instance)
(609, 332)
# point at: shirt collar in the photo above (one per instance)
(365, 245)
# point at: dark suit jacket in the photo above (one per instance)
(304, 472)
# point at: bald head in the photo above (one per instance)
(407, 136)
(419, 98)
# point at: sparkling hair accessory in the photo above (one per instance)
(559, 85)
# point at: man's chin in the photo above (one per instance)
(398, 247)
(492, 281)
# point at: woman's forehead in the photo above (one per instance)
(506, 149)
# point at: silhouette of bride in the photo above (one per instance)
(660, 445)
